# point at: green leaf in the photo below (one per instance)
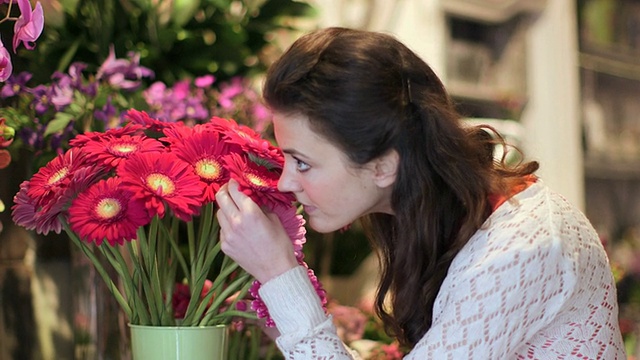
(183, 11)
(59, 122)
(14, 117)
(70, 6)
(68, 55)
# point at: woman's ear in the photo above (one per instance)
(385, 169)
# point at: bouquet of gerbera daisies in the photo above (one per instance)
(141, 198)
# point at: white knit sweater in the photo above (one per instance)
(533, 283)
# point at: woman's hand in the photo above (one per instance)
(257, 241)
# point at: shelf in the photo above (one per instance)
(609, 169)
(480, 92)
(492, 11)
(505, 103)
(623, 64)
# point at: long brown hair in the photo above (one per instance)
(368, 94)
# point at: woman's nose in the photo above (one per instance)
(287, 183)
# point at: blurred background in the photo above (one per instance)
(559, 78)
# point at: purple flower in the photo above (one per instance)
(180, 90)
(6, 68)
(196, 110)
(204, 81)
(121, 73)
(61, 95)
(76, 81)
(107, 112)
(29, 25)
(261, 117)
(15, 85)
(41, 98)
(33, 136)
(229, 91)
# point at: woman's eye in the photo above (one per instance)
(302, 166)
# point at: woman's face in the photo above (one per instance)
(332, 190)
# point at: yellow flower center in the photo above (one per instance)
(256, 180)
(243, 134)
(124, 148)
(161, 184)
(108, 208)
(58, 175)
(208, 169)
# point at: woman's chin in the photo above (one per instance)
(323, 227)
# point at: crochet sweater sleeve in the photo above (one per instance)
(306, 331)
(532, 283)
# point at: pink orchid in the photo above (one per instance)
(6, 67)
(29, 25)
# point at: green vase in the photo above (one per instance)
(179, 343)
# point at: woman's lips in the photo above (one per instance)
(308, 209)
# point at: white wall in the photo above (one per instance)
(551, 117)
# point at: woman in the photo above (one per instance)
(479, 259)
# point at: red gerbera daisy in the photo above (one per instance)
(111, 151)
(257, 181)
(81, 139)
(222, 124)
(240, 134)
(159, 178)
(55, 176)
(249, 141)
(176, 133)
(106, 211)
(204, 151)
(263, 152)
(141, 117)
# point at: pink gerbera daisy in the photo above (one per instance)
(48, 217)
(55, 176)
(258, 305)
(44, 217)
(294, 225)
(204, 151)
(257, 181)
(106, 211)
(23, 211)
(111, 151)
(162, 178)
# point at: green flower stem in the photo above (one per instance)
(196, 280)
(197, 306)
(191, 238)
(226, 315)
(120, 265)
(101, 270)
(143, 270)
(177, 253)
(255, 345)
(234, 345)
(221, 297)
(200, 270)
(167, 269)
(158, 273)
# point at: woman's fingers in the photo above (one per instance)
(242, 201)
